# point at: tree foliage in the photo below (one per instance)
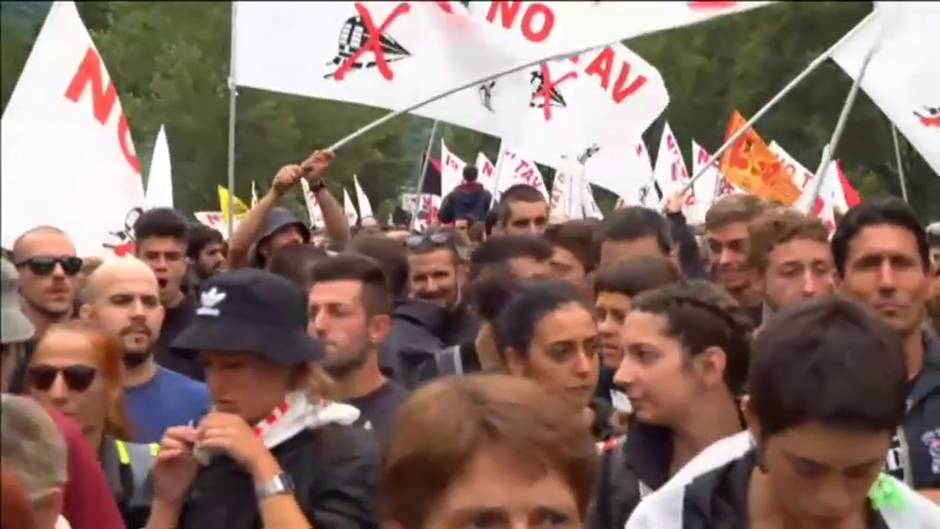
(170, 62)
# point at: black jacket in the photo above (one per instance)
(334, 469)
(412, 338)
(631, 467)
(711, 492)
(468, 200)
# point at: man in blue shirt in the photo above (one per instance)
(123, 297)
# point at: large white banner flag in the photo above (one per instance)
(65, 107)
(313, 205)
(349, 209)
(903, 77)
(160, 175)
(589, 102)
(394, 54)
(708, 188)
(451, 170)
(365, 207)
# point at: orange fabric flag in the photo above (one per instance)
(752, 166)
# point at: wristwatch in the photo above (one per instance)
(319, 186)
(280, 484)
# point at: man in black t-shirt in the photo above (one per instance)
(349, 308)
(161, 236)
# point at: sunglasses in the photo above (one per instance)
(43, 266)
(436, 238)
(77, 377)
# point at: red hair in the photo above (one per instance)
(108, 352)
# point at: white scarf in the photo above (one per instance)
(295, 414)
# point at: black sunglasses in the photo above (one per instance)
(43, 266)
(77, 377)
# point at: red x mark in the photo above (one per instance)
(547, 86)
(373, 44)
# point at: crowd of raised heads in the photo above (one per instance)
(501, 368)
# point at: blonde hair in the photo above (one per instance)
(313, 380)
(32, 445)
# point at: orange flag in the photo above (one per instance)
(752, 166)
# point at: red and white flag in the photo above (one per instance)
(451, 170)
(670, 173)
(65, 107)
(215, 220)
(486, 172)
(903, 77)
(513, 168)
(708, 188)
(313, 205)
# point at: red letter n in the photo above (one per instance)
(507, 12)
(90, 72)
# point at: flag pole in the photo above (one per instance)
(897, 156)
(424, 169)
(773, 102)
(232, 93)
(840, 124)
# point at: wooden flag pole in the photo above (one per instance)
(773, 101)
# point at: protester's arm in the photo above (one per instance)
(689, 257)
(334, 218)
(280, 510)
(249, 228)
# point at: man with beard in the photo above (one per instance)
(205, 252)
(48, 272)
(437, 274)
(161, 237)
(726, 225)
(882, 258)
(350, 306)
(123, 299)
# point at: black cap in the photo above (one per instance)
(250, 311)
(279, 218)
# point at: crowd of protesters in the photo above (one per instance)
(494, 371)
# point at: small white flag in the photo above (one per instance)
(160, 176)
(365, 207)
(349, 209)
(313, 205)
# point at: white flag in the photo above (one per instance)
(160, 176)
(365, 207)
(349, 209)
(709, 187)
(451, 170)
(589, 207)
(623, 170)
(66, 108)
(670, 173)
(215, 220)
(903, 77)
(514, 168)
(426, 212)
(394, 54)
(563, 205)
(606, 96)
(313, 205)
(486, 172)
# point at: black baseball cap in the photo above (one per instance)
(250, 311)
(278, 219)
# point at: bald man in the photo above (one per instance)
(123, 297)
(45, 259)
